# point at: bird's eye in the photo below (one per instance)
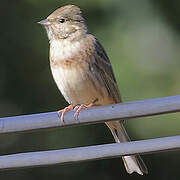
(62, 20)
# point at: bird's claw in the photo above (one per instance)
(80, 107)
(62, 112)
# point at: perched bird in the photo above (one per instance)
(83, 72)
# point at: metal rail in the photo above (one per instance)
(100, 114)
(42, 158)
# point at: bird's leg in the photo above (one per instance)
(83, 106)
(62, 112)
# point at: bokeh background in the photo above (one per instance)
(142, 39)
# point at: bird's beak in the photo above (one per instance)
(44, 22)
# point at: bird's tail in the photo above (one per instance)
(132, 163)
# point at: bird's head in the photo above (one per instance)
(65, 22)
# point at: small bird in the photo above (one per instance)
(83, 72)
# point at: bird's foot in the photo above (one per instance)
(62, 112)
(83, 106)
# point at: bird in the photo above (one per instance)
(83, 72)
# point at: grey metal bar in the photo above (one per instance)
(42, 158)
(98, 114)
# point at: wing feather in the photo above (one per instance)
(103, 67)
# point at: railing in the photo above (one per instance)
(129, 110)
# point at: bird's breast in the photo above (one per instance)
(75, 84)
(63, 49)
(70, 69)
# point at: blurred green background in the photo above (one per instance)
(142, 39)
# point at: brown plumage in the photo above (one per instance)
(83, 72)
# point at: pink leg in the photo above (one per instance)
(64, 111)
(80, 107)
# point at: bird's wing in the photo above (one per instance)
(101, 65)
